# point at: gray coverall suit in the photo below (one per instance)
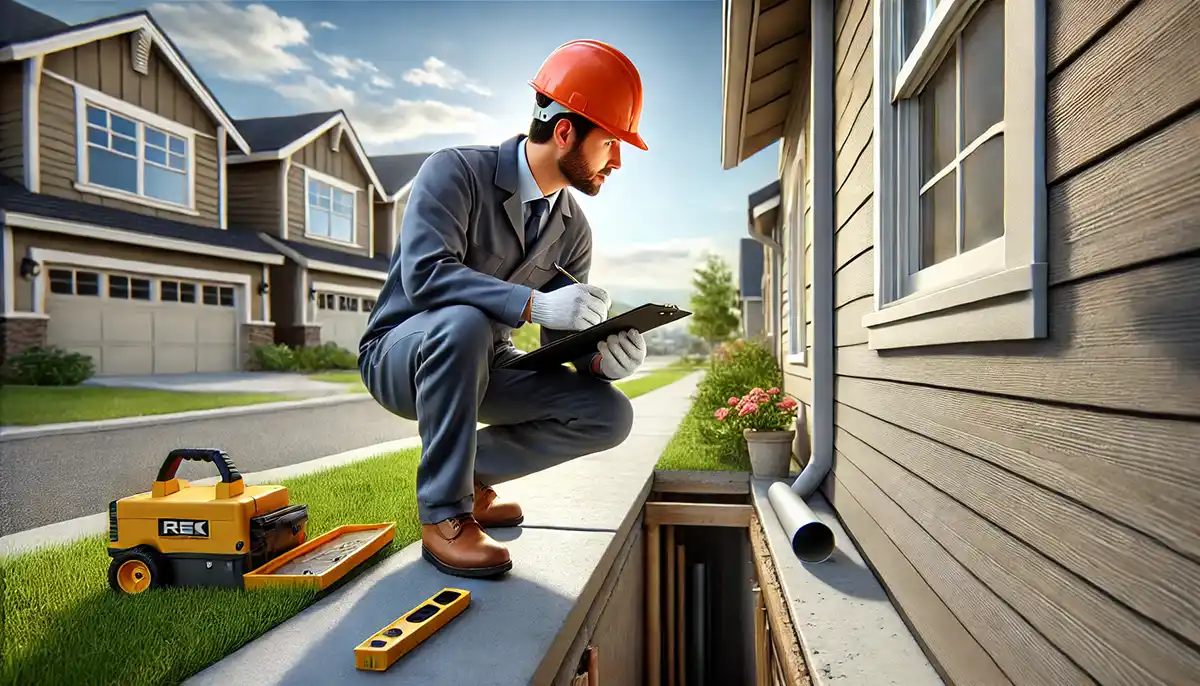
(457, 286)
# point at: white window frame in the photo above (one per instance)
(794, 218)
(334, 183)
(85, 97)
(994, 292)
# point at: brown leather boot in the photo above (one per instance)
(459, 546)
(492, 513)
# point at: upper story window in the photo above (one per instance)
(960, 166)
(330, 208)
(144, 161)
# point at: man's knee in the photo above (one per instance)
(461, 327)
(611, 418)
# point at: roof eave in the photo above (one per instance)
(118, 26)
(313, 134)
(764, 64)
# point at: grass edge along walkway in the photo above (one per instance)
(62, 590)
(41, 405)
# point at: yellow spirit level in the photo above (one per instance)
(393, 641)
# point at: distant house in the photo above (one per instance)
(750, 278)
(983, 261)
(146, 228)
(113, 193)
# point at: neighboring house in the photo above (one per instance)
(116, 239)
(396, 173)
(750, 285)
(993, 213)
(309, 190)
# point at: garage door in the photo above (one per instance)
(138, 324)
(343, 318)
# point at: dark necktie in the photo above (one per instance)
(537, 208)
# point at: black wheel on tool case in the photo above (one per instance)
(136, 570)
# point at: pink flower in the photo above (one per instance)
(747, 408)
(773, 390)
(787, 404)
(733, 402)
(721, 413)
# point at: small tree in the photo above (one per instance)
(714, 302)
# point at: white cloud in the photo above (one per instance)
(327, 25)
(253, 43)
(435, 72)
(665, 264)
(344, 67)
(249, 44)
(383, 122)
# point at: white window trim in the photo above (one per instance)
(995, 292)
(85, 96)
(51, 258)
(796, 350)
(354, 191)
(339, 289)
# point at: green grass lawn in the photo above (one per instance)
(350, 378)
(59, 593)
(35, 405)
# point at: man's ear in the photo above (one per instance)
(563, 132)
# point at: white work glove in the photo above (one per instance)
(571, 308)
(621, 354)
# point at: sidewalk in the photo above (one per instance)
(576, 515)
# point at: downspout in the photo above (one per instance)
(811, 539)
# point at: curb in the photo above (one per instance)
(89, 525)
(16, 433)
(71, 530)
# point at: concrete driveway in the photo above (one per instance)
(233, 382)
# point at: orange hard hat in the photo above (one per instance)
(595, 80)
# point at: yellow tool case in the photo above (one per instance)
(178, 534)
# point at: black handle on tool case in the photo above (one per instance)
(229, 473)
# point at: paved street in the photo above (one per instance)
(51, 479)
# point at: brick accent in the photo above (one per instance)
(297, 336)
(254, 335)
(20, 333)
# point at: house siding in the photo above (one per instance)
(285, 310)
(106, 66)
(384, 214)
(343, 165)
(12, 129)
(1027, 504)
(24, 239)
(797, 376)
(254, 196)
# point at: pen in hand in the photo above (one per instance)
(564, 271)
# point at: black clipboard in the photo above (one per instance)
(568, 348)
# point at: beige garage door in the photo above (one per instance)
(138, 324)
(343, 318)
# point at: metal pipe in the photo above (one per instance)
(811, 539)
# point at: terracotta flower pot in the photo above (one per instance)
(770, 452)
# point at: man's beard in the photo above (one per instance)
(577, 172)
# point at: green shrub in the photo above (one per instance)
(324, 357)
(316, 358)
(48, 366)
(737, 367)
(274, 358)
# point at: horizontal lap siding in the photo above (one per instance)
(107, 66)
(1030, 504)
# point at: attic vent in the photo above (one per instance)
(335, 137)
(141, 51)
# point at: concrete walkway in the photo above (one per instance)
(233, 382)
(518, 628)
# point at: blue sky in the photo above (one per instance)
(424, 75)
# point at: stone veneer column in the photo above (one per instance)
(297, 336)
(19, 333)
(254, 335)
